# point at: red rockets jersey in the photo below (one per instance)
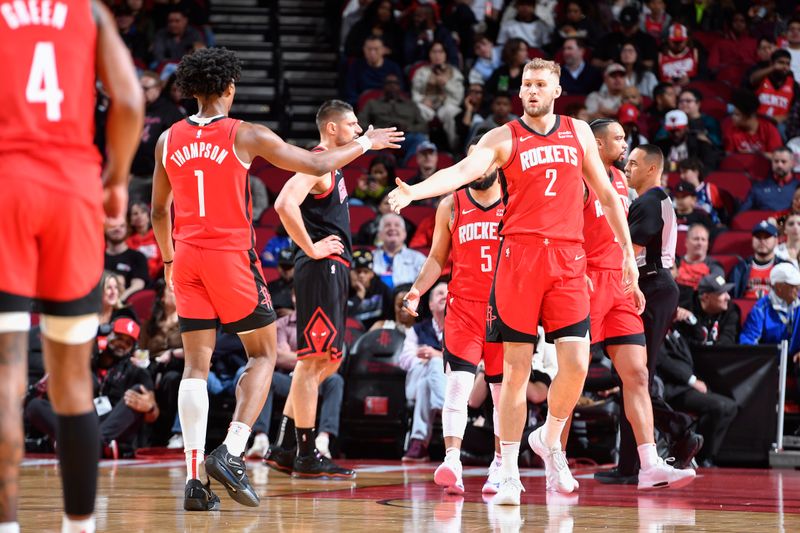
(603, 252)
(775, 102)
(675, 66)
(213, 207)
(543, 184)
(475, 238)
(48, 91)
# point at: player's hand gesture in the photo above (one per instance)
(639, 300)
(411, 301)
(330, 245)
(385, 137)
(401, 196)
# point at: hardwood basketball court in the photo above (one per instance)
(147, 496)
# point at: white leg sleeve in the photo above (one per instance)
(193, 412)
(454, 413)
(70, 329)
(495, 390)
(14, 322)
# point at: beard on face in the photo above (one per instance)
(481, 184)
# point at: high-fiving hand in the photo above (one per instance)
(401, 196)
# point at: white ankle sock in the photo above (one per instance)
(510, 453)
(648, 455)
(498, 459)
(9, 527)
(77, 526)
(452, 454)
(551, 432)
(238, 433)
(193, 413)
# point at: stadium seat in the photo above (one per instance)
(270, 274)
(736, 183)
(680, 244)
(731, 75)
(263, 235)
(274, 178)
(351, 175)
(745, 220)
(270, 218)
(533, 53)
(745, 305)
(712, 89)
(715, 107)
(733, 242)
(366, 96)
(445, 160)
(672, 179)
(405, 174)
(728, 261)
(142, 303)
(706, 39)
(756, 165)
(358, 215)
(417, 213)
(565, 100)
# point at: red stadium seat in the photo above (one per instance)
(728, 261)
(736, 183)
(733, 242)
(366, 96)
(358, 215)
(564, 101)
(417, 213)
(142, 303)
(405, 174)
(274, 178)
(712, 89)
(672, 179)
(715, 107)
(533, 53)
(680, 244)
(756, 165)
(270, 274)
(351, 176)
(706, 38)
(263, 235)
(745, 305)
(731, 75)
(270, 218)
(746, 220)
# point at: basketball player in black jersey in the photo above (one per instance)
(314, 211)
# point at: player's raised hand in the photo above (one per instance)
(330, 245)
(401, 196)
(411, 301)
(385, 137)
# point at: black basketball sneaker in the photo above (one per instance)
(199, 497)
(280, 459)
(318, 466)
(231, 471)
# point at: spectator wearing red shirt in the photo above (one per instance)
(747, 133)
(776, 87)
(737, 48)
(679, 63)
(142, 238)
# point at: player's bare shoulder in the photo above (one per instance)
(500, 140)
(584, 131)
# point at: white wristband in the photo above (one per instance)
(365, 142)
(692, 380)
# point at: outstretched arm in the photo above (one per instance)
(437, 257)
(257, 140)
(597, 179)
(125, 114)
(493, 148)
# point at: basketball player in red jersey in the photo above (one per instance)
(541, 264)
(202, 161)
(615, 321)
(51, 223)
(467, 229)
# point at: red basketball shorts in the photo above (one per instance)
(465, 338)
(51, 242)
(613, 313)
(222, 285)
(538, 279)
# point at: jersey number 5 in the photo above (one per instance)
(551, 175)
(42, 85)
(486, 263)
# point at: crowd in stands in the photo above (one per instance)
(712, 82)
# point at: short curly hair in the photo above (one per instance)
(208, 72)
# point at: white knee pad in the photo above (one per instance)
(70, 329)
(494, 388)
(14, 322)
(454, 413)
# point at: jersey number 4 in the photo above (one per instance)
(42, 85)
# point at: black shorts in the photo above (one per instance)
(321, 289)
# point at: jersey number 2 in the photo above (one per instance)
(551, 175)
(201, 192)
(42, 85)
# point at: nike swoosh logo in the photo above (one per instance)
(523, 139)
(579, 257)
(467, 212)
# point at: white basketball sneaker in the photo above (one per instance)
(493, 479)
(663, 475)
(556, 469)
(509, 492)
(448, 475)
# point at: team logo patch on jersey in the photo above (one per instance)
(319, 332)
(490, 316)
(266, 299)
(342, 192)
